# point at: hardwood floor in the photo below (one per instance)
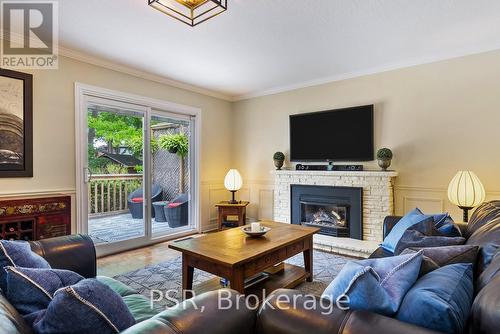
(113, 265)
(125, 262)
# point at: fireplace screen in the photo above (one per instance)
(331, 218)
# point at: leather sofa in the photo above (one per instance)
(483, 230)
(75, 253)
(202, 314)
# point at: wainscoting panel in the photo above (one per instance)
(430, 200)
(211, 194)
(261, 197)
(266, 200)
(425, 204)
(259, 194)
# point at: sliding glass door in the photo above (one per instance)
(171, 138)
(136, 175)
(115, 181)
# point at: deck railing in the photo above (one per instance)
(108, 193)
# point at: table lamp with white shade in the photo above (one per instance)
(466, 191)
(233, 183)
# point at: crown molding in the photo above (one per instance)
(279, 89)
(110, 65)
(375, 70)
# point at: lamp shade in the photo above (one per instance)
(233, 181)
(466, 190)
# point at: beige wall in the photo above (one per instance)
(437, 119)
(54, 127)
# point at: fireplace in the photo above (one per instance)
(337, 211)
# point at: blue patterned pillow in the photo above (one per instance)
(30, 290)
(86, 307)
(411, 218)
(376, 285)
(440, 300)
(18, 254)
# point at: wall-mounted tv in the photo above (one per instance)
(333, 135)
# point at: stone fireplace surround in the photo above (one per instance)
(378, 202)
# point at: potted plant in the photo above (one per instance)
(279, 159)
(175, 143)
(384, 157)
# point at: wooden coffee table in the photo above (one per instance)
(233, 255)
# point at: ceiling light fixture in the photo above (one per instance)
(190, 12)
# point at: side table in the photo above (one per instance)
(231, 213)
(159, 211)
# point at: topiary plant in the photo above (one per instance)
(280, 156)
(384, 154)
(279, 160)
(175, 143)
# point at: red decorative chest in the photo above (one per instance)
(35, 218)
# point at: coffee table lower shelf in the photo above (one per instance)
(288, 278)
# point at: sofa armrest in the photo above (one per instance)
(73, 252)
(389, 223)
(208, 313)
(363, 322)
(292, 312)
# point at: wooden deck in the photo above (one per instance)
(121, 227)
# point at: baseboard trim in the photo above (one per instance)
(208, 228)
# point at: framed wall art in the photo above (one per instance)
(16, 124)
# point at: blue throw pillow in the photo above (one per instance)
(448, 228)
(30, 290)
(411, 218)
(440, 300)
(445, 225)
(376, 285)
(18, 254)
(436, 257)
(86, 307)
(413, 238)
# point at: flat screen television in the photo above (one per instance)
(333, 135)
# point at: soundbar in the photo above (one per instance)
(342, 168)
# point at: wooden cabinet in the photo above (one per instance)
(35, 218)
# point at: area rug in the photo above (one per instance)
(166, 276)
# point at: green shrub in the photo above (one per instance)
(116, 169)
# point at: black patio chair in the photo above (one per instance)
(177, 211)
(136, 207)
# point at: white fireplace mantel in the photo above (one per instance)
(378, 201)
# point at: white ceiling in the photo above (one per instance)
(259, 47)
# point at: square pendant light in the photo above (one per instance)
(191, 12)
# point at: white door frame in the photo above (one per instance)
(83, 93)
